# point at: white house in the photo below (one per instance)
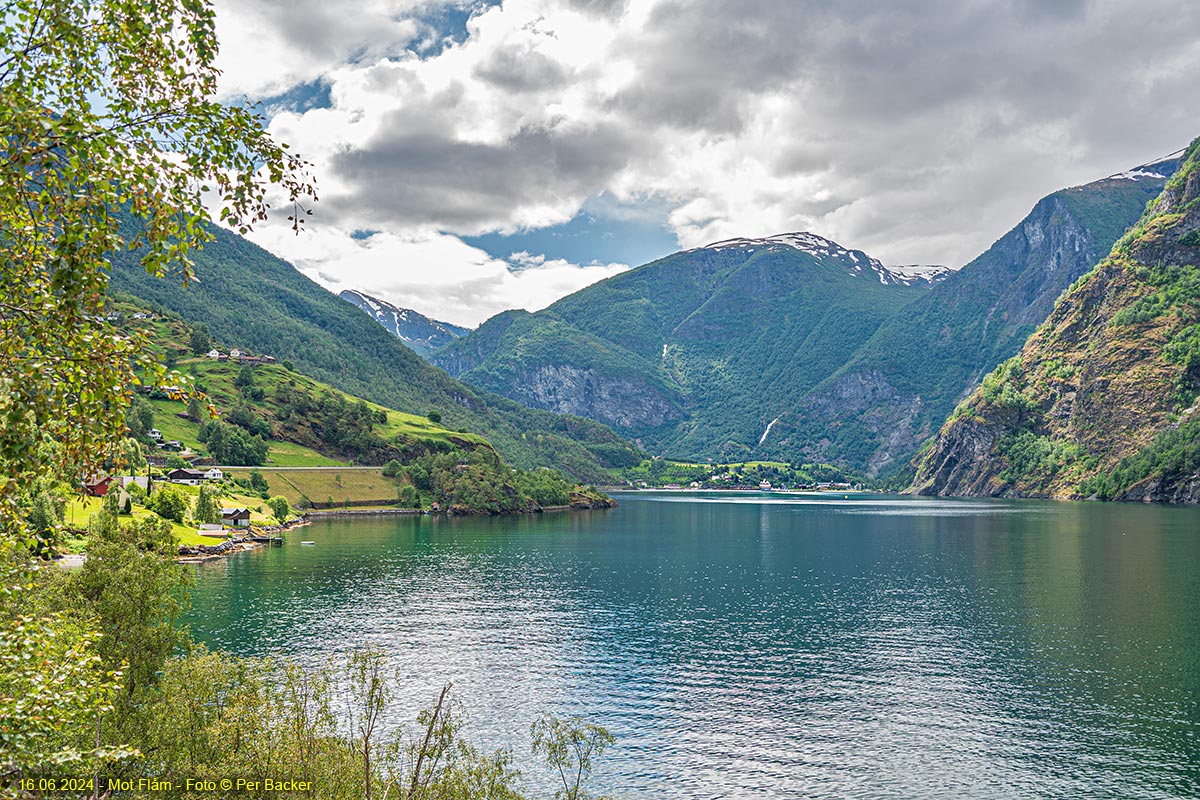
(214, 474)
(235, 353)
(155, 434)
(214, 354)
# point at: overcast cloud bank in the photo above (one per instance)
(918, 132)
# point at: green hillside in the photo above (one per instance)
(695, 354)
(1102, 398)
(246, 296)
(873, 413)
(275, 430)
(304, 422)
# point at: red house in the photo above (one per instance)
(97, 488)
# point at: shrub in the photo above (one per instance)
(279, 508)
(168, 503)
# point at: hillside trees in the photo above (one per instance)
(230, 444)
(207, 509)
(168, 503)
(106, 106)
(477, 483)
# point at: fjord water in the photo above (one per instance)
(774, 646)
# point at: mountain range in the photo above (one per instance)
(875, 410)
(693, 355)
(1102, 400)
(245, 295)
(786, 348)
(793, 347)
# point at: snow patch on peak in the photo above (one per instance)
(821, 248)
(809, 243)
(418, 331)
(915, 273)
(1134, 174)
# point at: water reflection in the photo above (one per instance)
(767, 646)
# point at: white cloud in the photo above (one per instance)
(434, 273)
(269, 45)
(919, 132)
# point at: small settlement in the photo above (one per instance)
(231, 517)
(240, 357)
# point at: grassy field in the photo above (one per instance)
(324, 486)
(280, 454)
(217, 380)
(290, 454)
(80, 509)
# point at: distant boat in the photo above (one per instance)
(308, 543)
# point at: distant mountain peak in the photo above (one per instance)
(422, 334)
(822, 248)
(933, 273)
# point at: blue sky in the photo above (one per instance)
(593, 235)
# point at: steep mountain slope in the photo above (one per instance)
(697, 353)
(1102, 398)
(243, 294)
(901, 385)
(422, 334)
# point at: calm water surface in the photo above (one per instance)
(768, 646)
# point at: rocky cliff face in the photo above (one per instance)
(624, 402)
(696, 353)
(875, 411)
(1101, 399)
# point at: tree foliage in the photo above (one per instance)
(168, 503)
(108, 113)
(207, 509)
(53, 689)
(569, 747)
(280, 508)
(233, 445)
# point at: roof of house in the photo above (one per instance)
(184, 471)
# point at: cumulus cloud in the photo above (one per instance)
(434, 273)
(918, 131)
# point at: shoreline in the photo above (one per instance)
(200, 554)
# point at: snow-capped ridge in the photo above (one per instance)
(821, 248)
(416, 330)
(1134, 174)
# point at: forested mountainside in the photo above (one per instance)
(244, 294)
(793, 348)
(875, 411)
(1102, 398)
(694, 354)
(422, 334)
